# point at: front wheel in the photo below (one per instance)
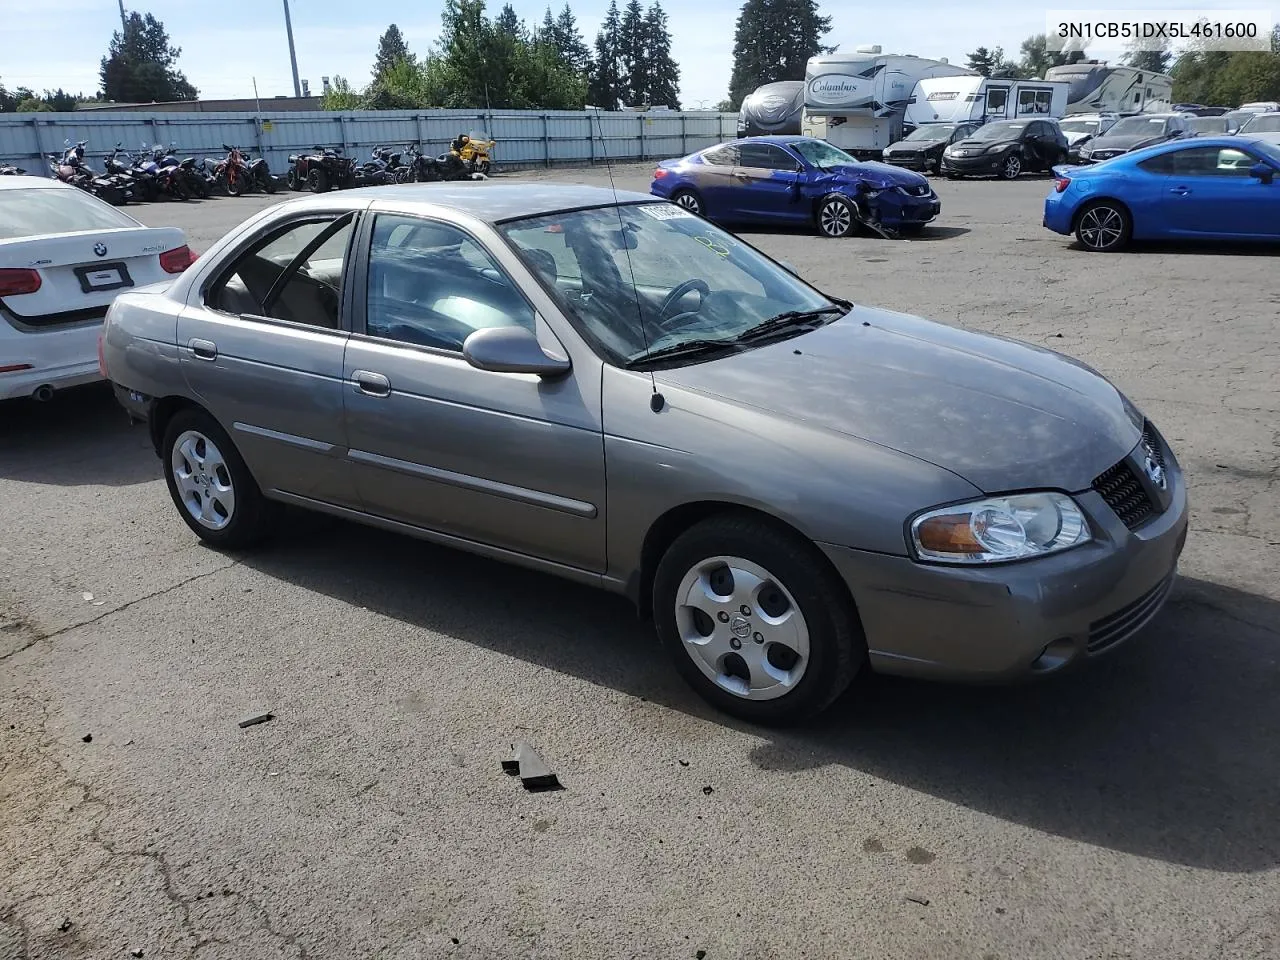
(757, 621)
(268, 182)
(1011, 167)
(210, 484)
(689, 200)
(317, 181)
(836, 218)
(237, 183)
(1104, 227)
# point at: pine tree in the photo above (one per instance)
(391, 50)
(141, 65)
(568, 40)
(510, 24)
(773, 40)
(605, 89)
(664, 72)
(635, 72)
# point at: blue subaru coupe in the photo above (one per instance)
(1205, 188)
(796, 180)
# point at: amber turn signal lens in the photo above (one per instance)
(948, 534)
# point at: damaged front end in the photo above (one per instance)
(891, 210)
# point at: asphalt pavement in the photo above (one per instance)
(1129, 811)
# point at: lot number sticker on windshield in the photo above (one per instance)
(662, 211)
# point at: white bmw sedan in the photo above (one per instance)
(64, 256)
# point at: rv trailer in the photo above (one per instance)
(773, 109)
(962, 99)
(857, 101)
(1096, 87)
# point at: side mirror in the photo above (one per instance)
(1263, 172)
(511, 350)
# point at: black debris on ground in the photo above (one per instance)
(257, 717)
(87, 738)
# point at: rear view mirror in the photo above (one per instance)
(1263, 172)
(511, 350)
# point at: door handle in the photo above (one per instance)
(1180, 191)
(203, 349)
(372, 384)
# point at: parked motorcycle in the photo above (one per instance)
(11, 170)
(159, 163)
(236, 173)
(419, 168)
(260, 177)
(71, 168)
(475, 153)
(145, 186)
(375, 171)
(326, 168)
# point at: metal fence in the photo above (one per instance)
(524, 138)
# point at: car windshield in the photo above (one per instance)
(1263, 123)
(1137, 126)
(30, 212)
(999, 131)
(822, 154)
(932, 131)
(1079, 126)
(1269, 150)
(688, 282)
(1207, 124)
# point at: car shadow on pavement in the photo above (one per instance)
(1169, 748)
(1232, 248)
(81, 436)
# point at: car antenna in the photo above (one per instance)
(656, 400)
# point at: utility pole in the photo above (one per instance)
(293, 57)
(123, 20)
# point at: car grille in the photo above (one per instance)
(1124, 492)
(1105, 154)
(919, 190)
(1129, 619)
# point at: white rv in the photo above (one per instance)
(961, 99)
(857, 101)
(1096, 87)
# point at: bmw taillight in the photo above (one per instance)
(659, 174)
(15, 282)
(177, 259)
(1061, 183)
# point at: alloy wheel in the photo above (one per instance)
(203, 479)
(1012, 167)
(836, 218)
(689, 202)
(1101, 227)
(742, 628)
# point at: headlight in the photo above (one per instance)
(997, 148)
(949, 151)
(997, 529)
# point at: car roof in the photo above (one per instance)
(489, 202)
(13, 183)
(780, 139)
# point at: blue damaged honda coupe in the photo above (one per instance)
(796, 180)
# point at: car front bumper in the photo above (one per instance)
(987, 164)
(894, 209)
(1017, 620)
(911, 161)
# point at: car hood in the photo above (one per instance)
(916, 144)
(1130, 142)
(1001, 414)
(971, 144)
(876, 174)
(1076, 136)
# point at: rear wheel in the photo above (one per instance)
(689, 200)
(317, 180)
(836, 217)
(1104, 226)
(268, 181)
(210, 484)
(758, 623)
(237, 183)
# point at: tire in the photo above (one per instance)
(239, 186)
(1104, 226)
(317, 180)
(181, 190)
(484, 167)
(268, 183)
(1010, 167)
(690, 201)
(212, 488)
(801, 602)
(295, 183)
(836, 218)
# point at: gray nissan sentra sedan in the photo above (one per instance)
(611, 389)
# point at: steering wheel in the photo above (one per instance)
(678, 294)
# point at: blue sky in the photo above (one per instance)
(60, 44)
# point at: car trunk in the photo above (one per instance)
(81, 273)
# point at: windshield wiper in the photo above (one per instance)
(788, 320)
(686, 348)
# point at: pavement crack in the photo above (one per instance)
(120, 609)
